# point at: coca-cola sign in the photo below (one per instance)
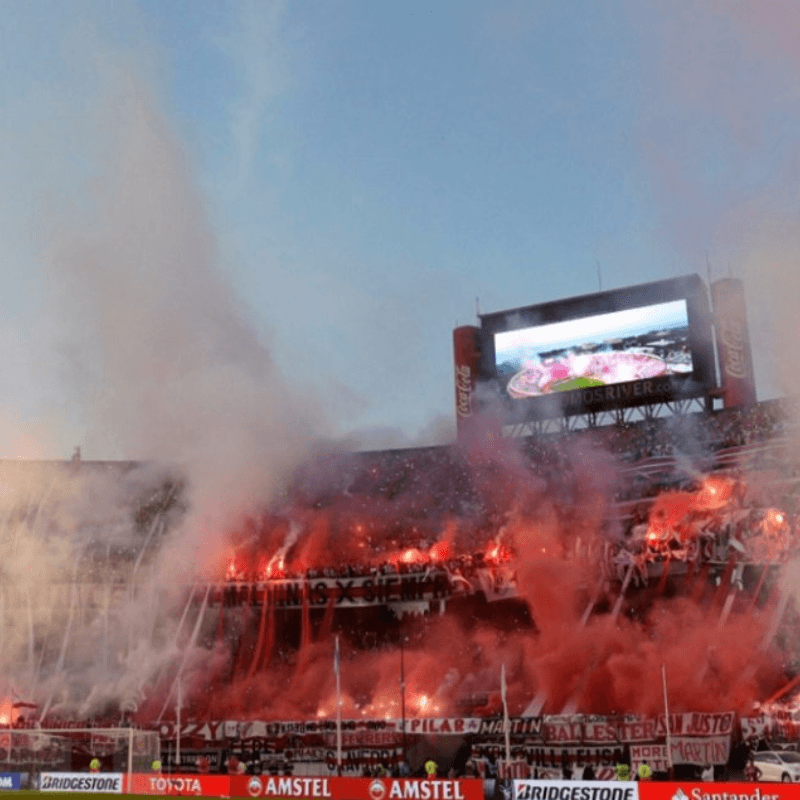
(466, 356)
(733, 343)
(463, 391)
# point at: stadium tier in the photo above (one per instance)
(578, 564)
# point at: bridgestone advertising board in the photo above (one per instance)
(106, 782)
(575, 790)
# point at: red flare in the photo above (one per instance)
(440, 551)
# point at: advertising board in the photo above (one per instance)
(466, 353)
(575, 790)
(356, 788)
(686, 790)
(180, 785)
(98, 783)
(733, 343)
(643, 344)
(274, 786)
(409, 789)
(10, 780)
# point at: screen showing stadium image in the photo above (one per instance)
(599, 350)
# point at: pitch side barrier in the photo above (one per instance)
(357, 788)
(334, 788)
(306, 788)
(85, 783)
(266, 786)
(574, 790)
(650, 790)
(686, 790)
(179, 785)
(12, 780)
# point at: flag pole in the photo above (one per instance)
(337, 669)
(506, 723)
(403, 693)
(178, 705)
(666, 720)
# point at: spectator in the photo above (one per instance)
(751, 771)
(622, 772)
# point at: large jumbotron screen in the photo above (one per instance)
(644, 344)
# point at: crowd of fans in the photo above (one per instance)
(419, 565)
(404, 499)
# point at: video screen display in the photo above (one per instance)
(599, 350)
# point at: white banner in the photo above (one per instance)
(643, 729)
(755, 727)
(654, 755)
(701, 751)
(576, 790)
(554, 731)
(107, 783)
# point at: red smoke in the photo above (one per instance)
(581, 654)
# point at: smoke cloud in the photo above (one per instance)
(157, 358)
(718, 137)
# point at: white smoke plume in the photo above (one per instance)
(159, 361)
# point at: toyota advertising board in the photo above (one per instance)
(634, 346)
(180, 785)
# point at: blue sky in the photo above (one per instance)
(356, 174)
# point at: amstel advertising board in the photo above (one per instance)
(356, 788)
